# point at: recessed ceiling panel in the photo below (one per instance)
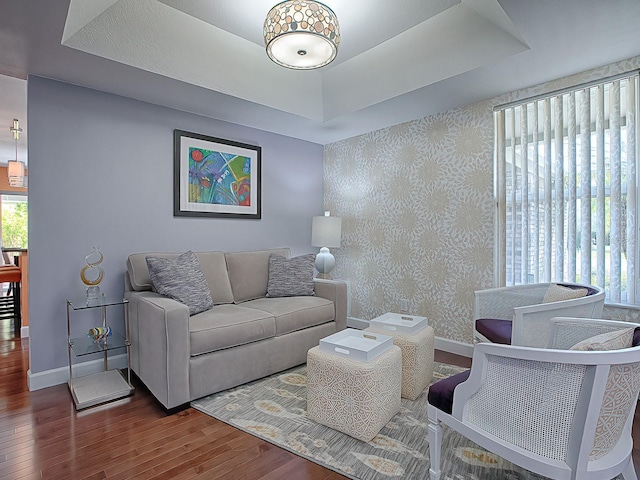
(152, 36)
(364, 24)
(403, 45)
(457, 40)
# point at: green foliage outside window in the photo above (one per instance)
(14, 225)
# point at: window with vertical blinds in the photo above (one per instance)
(566, 186)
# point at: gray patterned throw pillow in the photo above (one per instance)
(182, 279)
(290, 277)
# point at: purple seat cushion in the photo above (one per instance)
(441, 393)
(495, 330)
(636, 337)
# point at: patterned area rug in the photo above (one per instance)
(274, 409)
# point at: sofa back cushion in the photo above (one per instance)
(213, 266)
(249, 272)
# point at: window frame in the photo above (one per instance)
(503, 159)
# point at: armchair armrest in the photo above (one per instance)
(159, 328)
(336, 291)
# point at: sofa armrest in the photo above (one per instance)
(336, 291)
(159, 329)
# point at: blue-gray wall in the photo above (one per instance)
(101, 173)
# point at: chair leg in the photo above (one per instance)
(629, 473)
(435, 445)
(17, 311)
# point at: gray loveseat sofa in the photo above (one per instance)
(245, 336)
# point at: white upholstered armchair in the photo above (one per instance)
(520, 315)
(564, 414)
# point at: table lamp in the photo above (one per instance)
(325, 233)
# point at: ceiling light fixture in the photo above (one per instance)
(15, 169)
(301, 34)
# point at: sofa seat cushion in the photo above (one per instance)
(226, 326)
(295, 313)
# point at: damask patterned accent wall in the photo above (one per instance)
(417, 206)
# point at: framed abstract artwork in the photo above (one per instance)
(215, 177)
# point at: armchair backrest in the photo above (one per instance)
(523, 305)
(571, 407)
(567, 331)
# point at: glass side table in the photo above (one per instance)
(107, 385)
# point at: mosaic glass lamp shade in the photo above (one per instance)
(301, 34)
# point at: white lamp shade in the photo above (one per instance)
(326, 232)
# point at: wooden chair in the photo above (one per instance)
(10, 304)
(564, 414)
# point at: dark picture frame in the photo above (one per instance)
(214, 177)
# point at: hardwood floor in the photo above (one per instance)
(42, 436)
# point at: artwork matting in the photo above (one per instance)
(214, 177)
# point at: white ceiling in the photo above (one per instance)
(398, 59)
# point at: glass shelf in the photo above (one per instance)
(87, 345)
(101, 301)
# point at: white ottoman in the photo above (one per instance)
(353, 397)
(417, 359)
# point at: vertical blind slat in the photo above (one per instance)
(524, 154)
(632, 197)
(559, 187)
(547, 233)
(615, 250)
(514, 194)
(585, 186)
(571, 188)
(600, 186)
(536, 196)
(500, 276)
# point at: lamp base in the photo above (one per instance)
(325, 262)
(326, 276)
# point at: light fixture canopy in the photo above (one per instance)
(301, 34)
(15, 168)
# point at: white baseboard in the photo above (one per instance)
(454, 346)
(57, 376)
(444, 344)
(358, 323)
(24, 332)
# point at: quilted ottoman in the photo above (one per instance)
(354, 397)
(417, 359)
